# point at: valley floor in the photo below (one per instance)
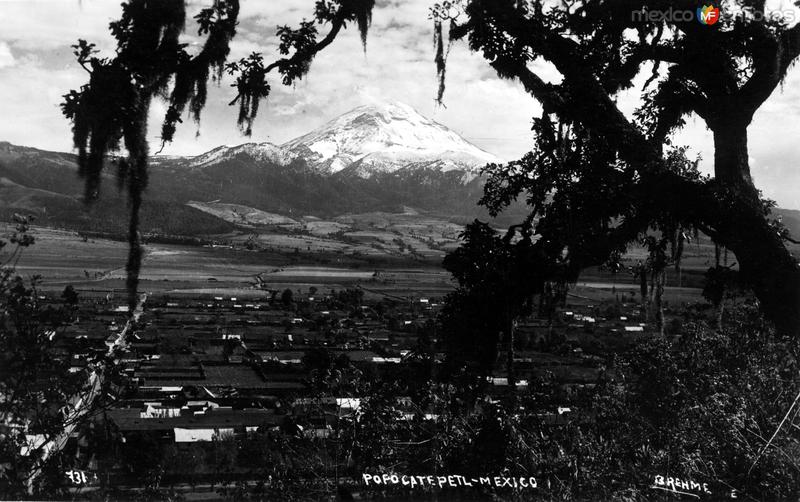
(97, 266)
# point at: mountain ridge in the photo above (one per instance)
(379, 158)
(384, 138)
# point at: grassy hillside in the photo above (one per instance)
(108, 215)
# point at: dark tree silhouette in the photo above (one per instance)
(496, 281)
(721, 72)
(287, 297)
(151, 62)
(39, 392)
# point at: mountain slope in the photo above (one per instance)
(373, 158)
(46, 186)
(262, 152)
(386, 138)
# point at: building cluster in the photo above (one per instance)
(198, 368)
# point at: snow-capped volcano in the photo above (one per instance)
(386, 138)
(368, 142)
(383, 158)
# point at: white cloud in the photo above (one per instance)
(6, 58)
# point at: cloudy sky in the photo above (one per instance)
(37, 68)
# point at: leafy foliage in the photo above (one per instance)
(251, 85)
(493, 276)
(301, 46)
(37, 387)
(706, 403)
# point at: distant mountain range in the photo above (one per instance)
(374, 158)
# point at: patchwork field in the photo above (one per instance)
(98, 265)
(366, 260)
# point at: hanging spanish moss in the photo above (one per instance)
(113, 106)
(300, 45)
(440, 59)
(362, 10)
(151, 62)
(252, 86)
(219, 24)
(441, 13)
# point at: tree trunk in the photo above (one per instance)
(134, 263)
(512, 383)
(660, 280)
(765, 264)
(731, 158)
(643, 292)
(138, 153)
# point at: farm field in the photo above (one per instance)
(97, 266)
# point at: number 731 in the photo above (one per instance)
(77, 477)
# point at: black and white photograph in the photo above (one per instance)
(400, 250)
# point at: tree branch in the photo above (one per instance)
(550, 96)
(768, 70)
(306, 56)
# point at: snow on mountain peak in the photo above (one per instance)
(371, 139)
(386, 137)
(259, 151)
